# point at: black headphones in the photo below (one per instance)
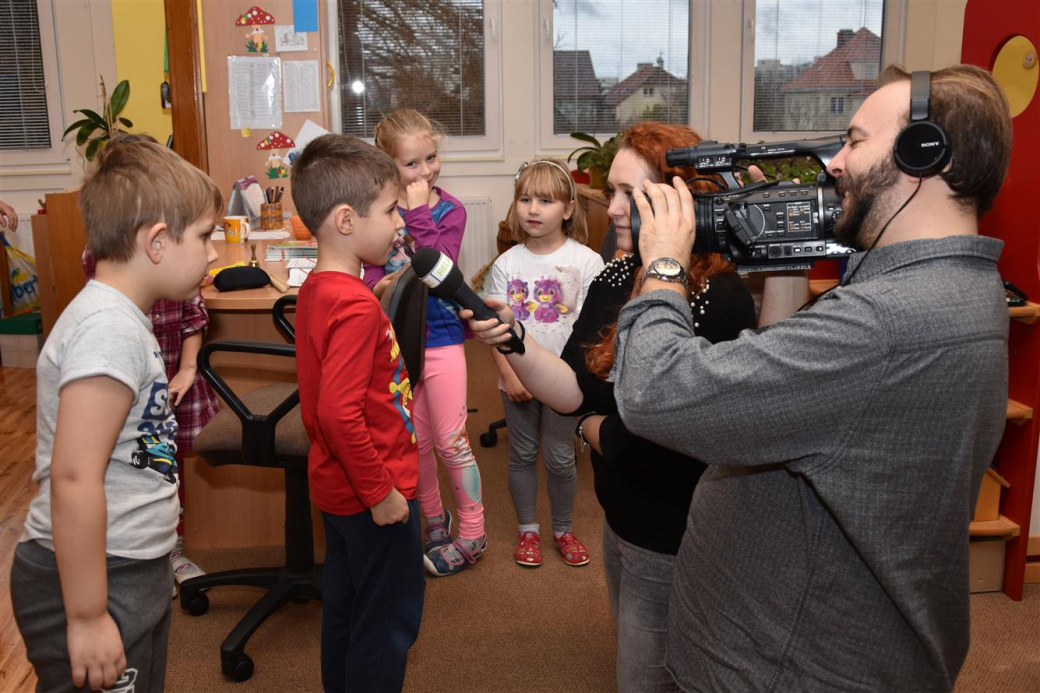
(922, 148)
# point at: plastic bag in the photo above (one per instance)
(25, 293)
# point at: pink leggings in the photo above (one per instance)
(439, 413)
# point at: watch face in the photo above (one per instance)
(667, 266)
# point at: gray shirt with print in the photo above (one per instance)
(827, 544)
(102, 333)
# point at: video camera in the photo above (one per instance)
(770, 225)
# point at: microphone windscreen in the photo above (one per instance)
(437, 271)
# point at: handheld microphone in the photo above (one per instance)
(437, 271)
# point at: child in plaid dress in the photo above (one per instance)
(178, 327)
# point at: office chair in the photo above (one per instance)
(261, 428)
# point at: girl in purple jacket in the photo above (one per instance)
(435, 219)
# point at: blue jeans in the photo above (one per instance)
(638, 584)
(373, 586)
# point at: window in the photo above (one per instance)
(430, 56)
(815, 62)
(613, 64)
(24, 121)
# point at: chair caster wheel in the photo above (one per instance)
(241, 669)
(488, 440)
(198, 605)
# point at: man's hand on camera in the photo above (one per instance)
(667, 229)
(491, 332)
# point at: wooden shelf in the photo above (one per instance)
(1001, 527)
(1029, 313)
(1018, 413)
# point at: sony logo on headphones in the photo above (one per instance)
(931, 144)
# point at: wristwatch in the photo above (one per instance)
(666, 269)
(579, 430)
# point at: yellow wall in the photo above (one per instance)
(139, 27)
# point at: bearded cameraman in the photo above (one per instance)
(845, 444)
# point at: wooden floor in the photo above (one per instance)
(17, 452)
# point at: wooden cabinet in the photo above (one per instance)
(59, 239)
(594, 205)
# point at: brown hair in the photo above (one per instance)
(969, 105)
(550, 180)
(137, 183)
(398, 124)
(651, 140)
(335, 170)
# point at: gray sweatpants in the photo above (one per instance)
(138, 600)
(529, 423)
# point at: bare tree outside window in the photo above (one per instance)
(421, 54)
(616, 63)
(816, 61)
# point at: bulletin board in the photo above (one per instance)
(231, 155)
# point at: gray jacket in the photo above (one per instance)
(827, 544)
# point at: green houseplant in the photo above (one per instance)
(595, 157)
(95, 130)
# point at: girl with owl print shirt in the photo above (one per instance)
(545, 280)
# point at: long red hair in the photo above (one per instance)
(650, 140)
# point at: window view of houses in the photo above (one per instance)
(821, 94)
(616, 63)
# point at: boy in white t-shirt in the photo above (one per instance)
(91, 578)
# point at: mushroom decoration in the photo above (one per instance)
(255, 17)
(276, 167)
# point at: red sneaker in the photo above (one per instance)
(528, 550)
(573, 551)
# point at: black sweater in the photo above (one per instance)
(645, 489)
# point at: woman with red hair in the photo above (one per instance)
(645, 490)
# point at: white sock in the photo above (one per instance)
(530, 528)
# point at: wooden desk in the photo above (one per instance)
(238, 505)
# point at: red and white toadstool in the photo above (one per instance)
(254, 16)
(276, 167)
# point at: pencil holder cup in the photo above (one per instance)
(271, 216)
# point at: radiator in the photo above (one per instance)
(479, 243)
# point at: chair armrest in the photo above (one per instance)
(280, 321)
(258, 430)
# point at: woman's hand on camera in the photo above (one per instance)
(491, 332)
(668, 228)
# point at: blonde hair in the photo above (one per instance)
(139, 183)
(550, 180)
(396, 125)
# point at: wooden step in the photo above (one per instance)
(1000, 527)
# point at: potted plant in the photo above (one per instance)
(595, 157)
(95, 130)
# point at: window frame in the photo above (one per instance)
(55, 159)
(453, 148)
(893, 32)
(697, 60)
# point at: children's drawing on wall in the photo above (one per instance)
(256, 39)
(286, 39)
(275, 143)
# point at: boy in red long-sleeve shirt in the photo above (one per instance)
(355, 398)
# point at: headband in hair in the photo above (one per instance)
(557, 164)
